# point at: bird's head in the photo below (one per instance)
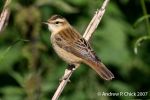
(56, 22)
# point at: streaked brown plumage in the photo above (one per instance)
(73, 48)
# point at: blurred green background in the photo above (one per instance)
(30, 69)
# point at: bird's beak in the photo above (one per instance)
(45, 23)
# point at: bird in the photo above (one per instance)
(69, 44)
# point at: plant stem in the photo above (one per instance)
(145, 14)
(87, 35)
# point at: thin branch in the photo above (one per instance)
(95, 21)
(4, 15)
(87, 35)
(147, 23)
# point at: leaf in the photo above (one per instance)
(10, 54)
(4, 53)
(17, 77)
(61, 5)
(139, 20)
(12, 93)
(11, 90)
(123, 89)
(78, 2)
(111, 42)
(137, 43)
(120, 86)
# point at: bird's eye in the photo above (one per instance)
(57, 22)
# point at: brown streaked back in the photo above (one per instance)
(69, 34)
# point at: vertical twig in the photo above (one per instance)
(4, 15)
(95, 21)
(87, 35)
(147, 23)
(62, 84)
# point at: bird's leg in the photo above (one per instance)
(71, 67)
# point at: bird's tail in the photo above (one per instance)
(101, 69)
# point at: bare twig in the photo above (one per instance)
(4, 15)
(95, 21)
(87, 35)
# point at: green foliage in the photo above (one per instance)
(30, 69)
(139, 20)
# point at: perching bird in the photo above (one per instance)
(73, 48)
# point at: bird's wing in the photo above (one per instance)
(71, 41)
